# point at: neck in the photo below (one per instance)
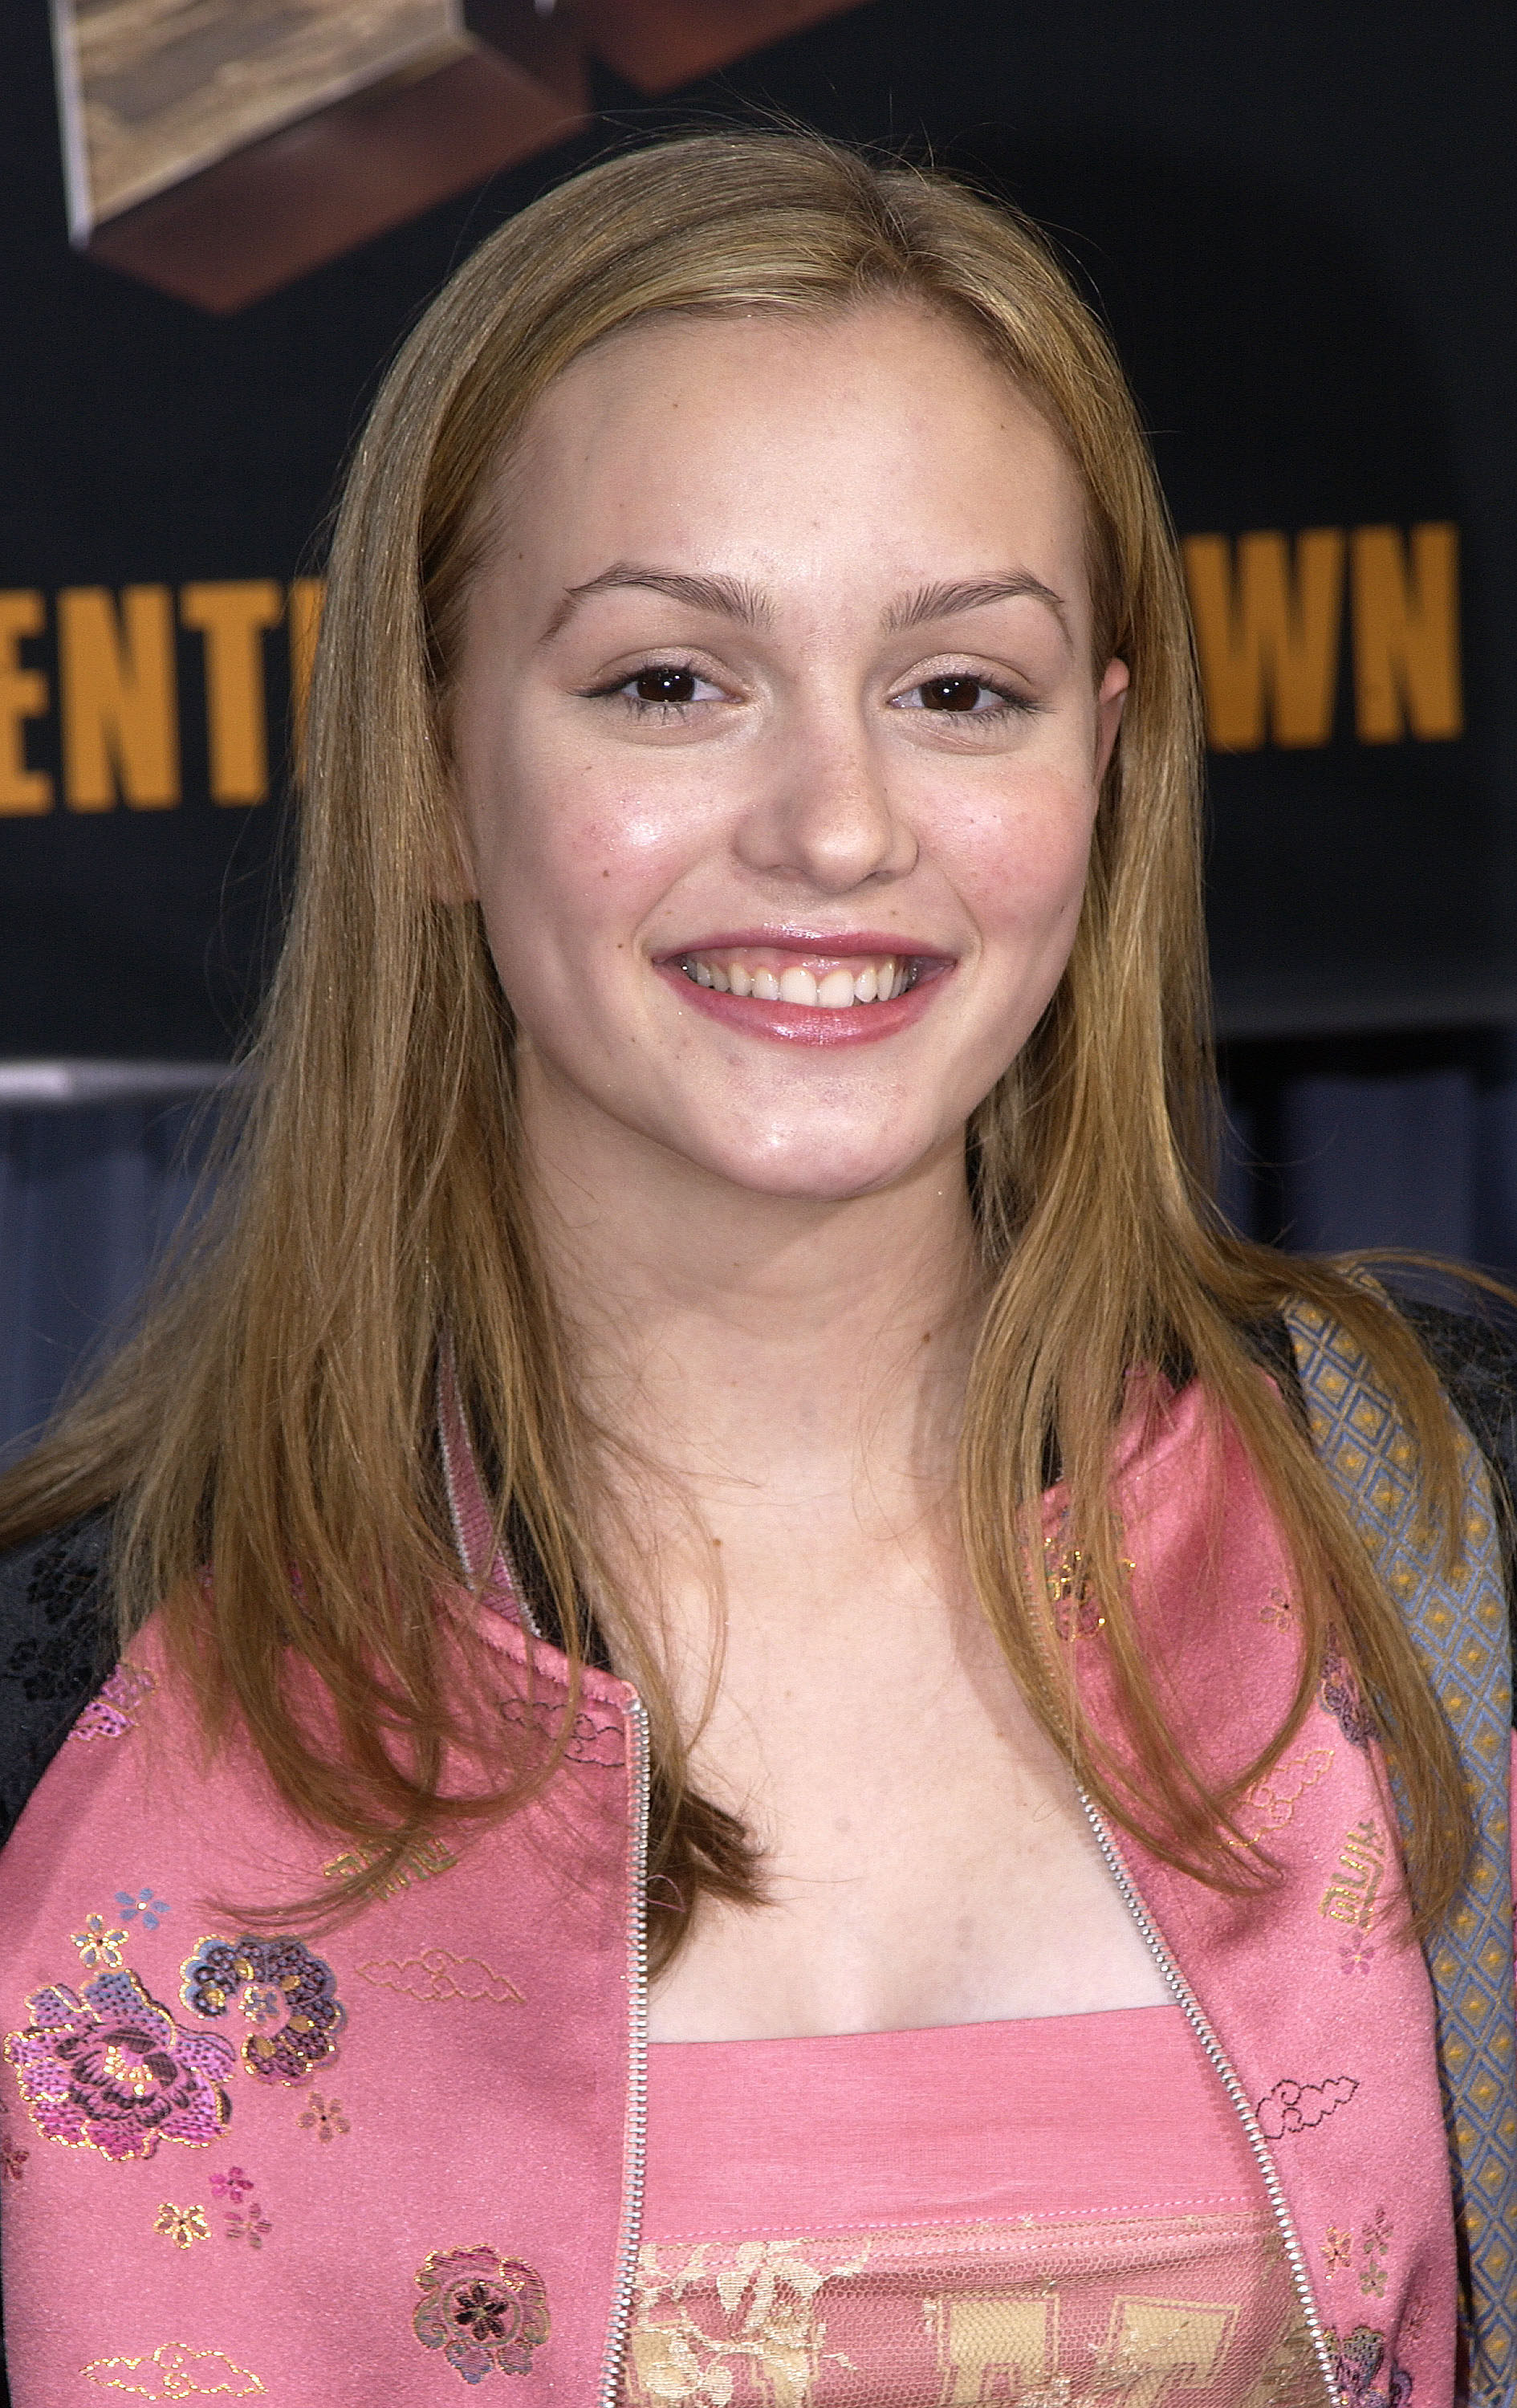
(753, 1345)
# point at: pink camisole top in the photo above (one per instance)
(1059, 2212)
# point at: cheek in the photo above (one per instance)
(571, 860)
(1020, 864)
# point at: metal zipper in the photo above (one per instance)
(637, 2124)
(1196, 2016)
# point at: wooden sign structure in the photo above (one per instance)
(219, 148)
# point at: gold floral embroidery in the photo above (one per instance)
(779, 2336)
(182, 2225)
(1351, 1894)
(127, 2072)
(438, 1975)
(1077, 1614)
(173, 2373)
(97, 1947)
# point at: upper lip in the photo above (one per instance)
(834, 943)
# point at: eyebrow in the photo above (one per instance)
(731, 597)
(725, 597)
(947, 601)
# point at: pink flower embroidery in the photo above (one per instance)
(251, 2227)
(1375, 2240)
(324, 2117)
(114, 1711)
(112, 2070)
(483, 2312)
(1341, 1697)
(286, 1993)
(1360, 2372)
(233, 2185)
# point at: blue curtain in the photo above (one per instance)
(1331, 1146)
(1377, 1141)
(88, 1195)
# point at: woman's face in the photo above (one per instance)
(779, 744)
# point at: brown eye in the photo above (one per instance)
(951, 693)
(665, 685)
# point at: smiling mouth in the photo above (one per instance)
(829, 985)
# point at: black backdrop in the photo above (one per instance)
(1299, 223)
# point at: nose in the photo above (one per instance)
(825, 818)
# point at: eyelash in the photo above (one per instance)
(617, 690)
(1009, 705)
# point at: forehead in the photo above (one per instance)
(883, 430)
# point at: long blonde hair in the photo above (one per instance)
(273, 1419)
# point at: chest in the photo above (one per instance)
(926, 1857)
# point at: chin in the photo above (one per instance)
(817, 1173)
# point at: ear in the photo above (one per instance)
(1108, 704)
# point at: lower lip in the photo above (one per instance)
(810, 1023)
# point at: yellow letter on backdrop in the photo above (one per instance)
(120, 721)
(1267, 638)
(1406, 633)
(23, 696)
(231, 619)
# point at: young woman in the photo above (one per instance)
(714, 1478)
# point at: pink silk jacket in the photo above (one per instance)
(361, 2170)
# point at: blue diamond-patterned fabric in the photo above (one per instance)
(1460, 1630)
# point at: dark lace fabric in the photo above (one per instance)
(55, 1649)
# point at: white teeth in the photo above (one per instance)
(833, 990)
